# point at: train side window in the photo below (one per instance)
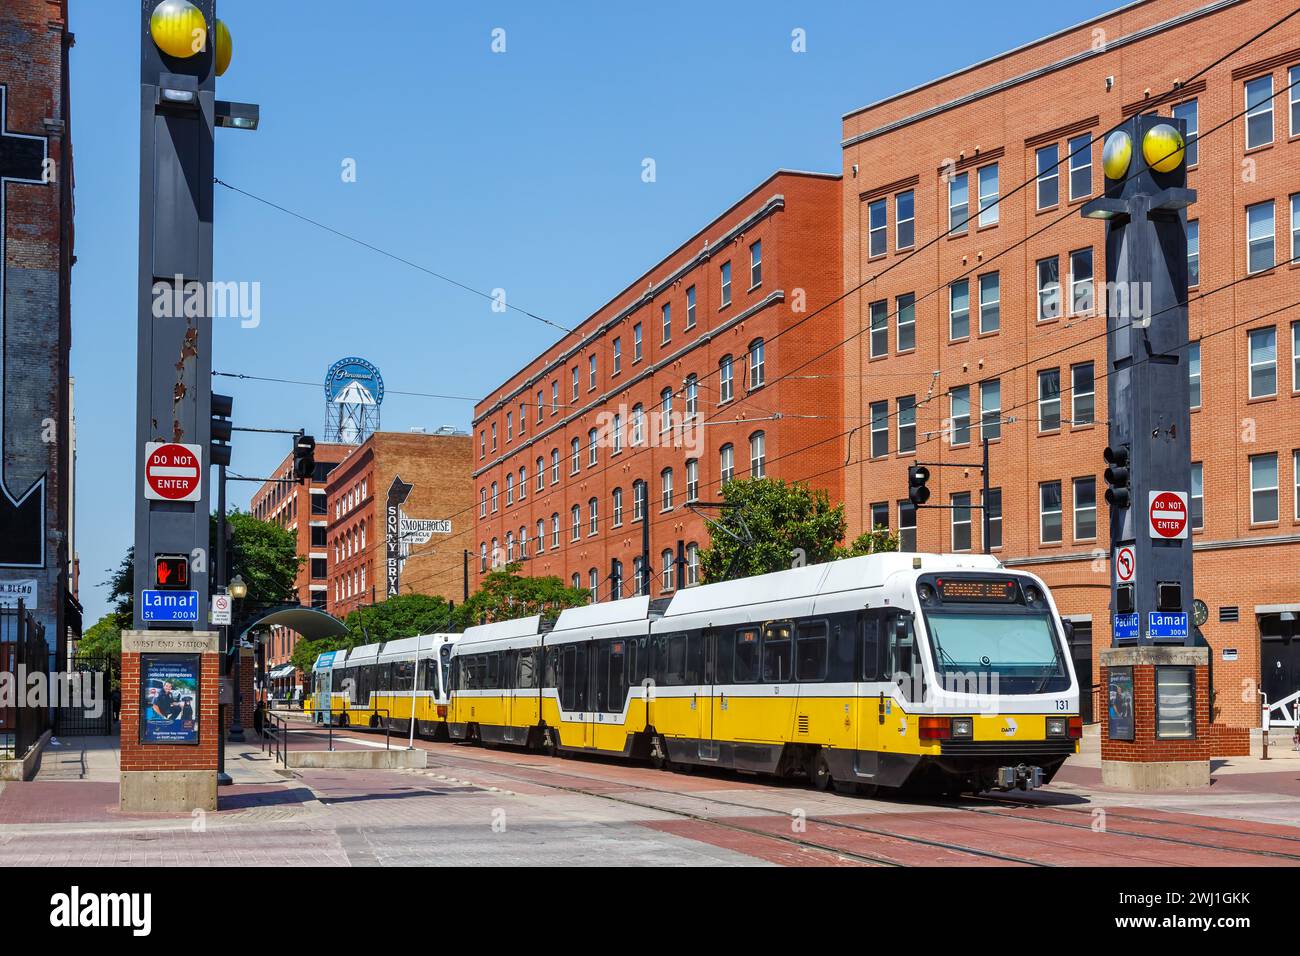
(903, 662)
(633, 660)
(747, 655)
(580, 677)
(811, 651)
(694, 659)
(871, 624)
(524, 680)
(493, 671)
(509, 661)
(724, 648)
(601, 689)
(405, 675)
(675, 665)
(453, 683)
(552, 661)
(617, 677)
(777, 654)
(568, 689)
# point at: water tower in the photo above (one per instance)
(354, 390)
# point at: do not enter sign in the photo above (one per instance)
(1168, 514)
(172, 472)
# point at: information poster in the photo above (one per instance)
(169, 707)
(1119, 703)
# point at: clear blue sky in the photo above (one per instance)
(519, 170)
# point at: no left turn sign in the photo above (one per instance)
(1125, 564)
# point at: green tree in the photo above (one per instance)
(874, 541)
(103, 639)
(768, 525)
(121, 585)
(505, 595)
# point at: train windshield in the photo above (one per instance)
(992, 652)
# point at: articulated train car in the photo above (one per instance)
(933, 673)
(379, 684)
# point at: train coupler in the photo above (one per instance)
(1020, 777)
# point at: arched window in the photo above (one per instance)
(363, 536)
(692, 564)
(757, 455)
(670, 569)
(638, 500)
(616, 434)
(593, 506)
(592, 444)
(726, 463)
(541, 474)
(575, 455)
(576, 580)
(482, 502)
(593, 584)
(510, 546)
(724, 379)
(510, 489)
(555, 529)
(638, 425)
(555, 466)
(523, 542)
(666, 489)
(523, 482)
(692, 395)
(575, 518)
(541, 535)
(616, 581)
(496, 553)
(757, 375)
(618, 507)
(639, 576)
(494, 496)
(482, 556)
(665, 410)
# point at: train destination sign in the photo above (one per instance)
(967, 589)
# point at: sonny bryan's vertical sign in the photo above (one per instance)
(398, 492)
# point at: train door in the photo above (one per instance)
(871, 697)
(324, 694)
(708, 701)
(509, 664)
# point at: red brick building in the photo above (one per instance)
(669, 388)
(301, 509)
(419, 480)
(36, 256)
(989, 329)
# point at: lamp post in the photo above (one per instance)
(238, 590)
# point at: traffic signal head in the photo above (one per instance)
(219, 445)
(917, 492)
(1118, 493)
(304, 457)
(172, 571)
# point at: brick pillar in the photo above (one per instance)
(1150, 762)
(175, 777)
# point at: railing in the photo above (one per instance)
(1287, 711)
(276, 742)
(22, 647)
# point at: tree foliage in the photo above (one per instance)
(103, 639)
(504, 594)
(769, 525)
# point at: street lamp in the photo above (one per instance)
(238, 590)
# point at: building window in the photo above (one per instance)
(575, 523)
(879, 340)
(724, 380)
(1082, 394)
(959, 309)
(726, 285)
(1295, 228)
(692, 392)
(593, 445)
(618, 507)
(593, 515)
(880, 515)
(1049, 288)
(573, 384)
(1048, 161)
(639, 502)
(496, 553)
(692, 564)
(1194, 374)
(757, 455)
(1080, 148)
(906, 322)
(726, 463)
(593, 584)
(555, 529)
(692, 479)
(994, 515)
(670, 570)
(555, 466)
(906, 526)
(1293, 80)
(757, 372)
(541, 474)
(991, 409)
(575, 456)
(636, 343)
(494, 436)
(510, 426)
(666, 321)
(1187, 111)
(958, 203)
(482, 557)
(1295, 356)
(666, 489)
(1175, 703)
(665, 411)
(510, 547)
(990, 303)
(1194, 252)
(539, 406)
(638, 425)
(510, 490)
(591, 373)
(523, 543)
(961, 536)
(1263, 362)
(1085, 508)
(1198, 496)
(555, 397)
(618, 356)
(1049, 400)
(1259, 237)
(1263, 489)
(756, 264)
(494, 497)
(482, 445)
(318, 567)
(879, 429)
(616, 434)
(904, 220)
(482, 502)
(987, 178)
(1081, 293)
(523, 482)
(906, 424)
(1259, 112)
(960, 402)
(1049, 512)
(877, 228)
(690, 308)
(541, 535)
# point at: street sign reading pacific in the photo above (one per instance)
(1168, 514)
(172, 472)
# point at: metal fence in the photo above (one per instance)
(23, 652)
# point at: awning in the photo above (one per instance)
(284, 670)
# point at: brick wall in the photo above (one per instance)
(1211, 740)
(201, 756)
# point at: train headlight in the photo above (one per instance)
(963, 727)
(1056, 726)
(925, 593)
(1033, 596)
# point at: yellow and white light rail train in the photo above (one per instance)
(930, 673)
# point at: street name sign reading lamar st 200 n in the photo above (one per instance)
(174, 607)
(1168, 514)
(172, 471)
